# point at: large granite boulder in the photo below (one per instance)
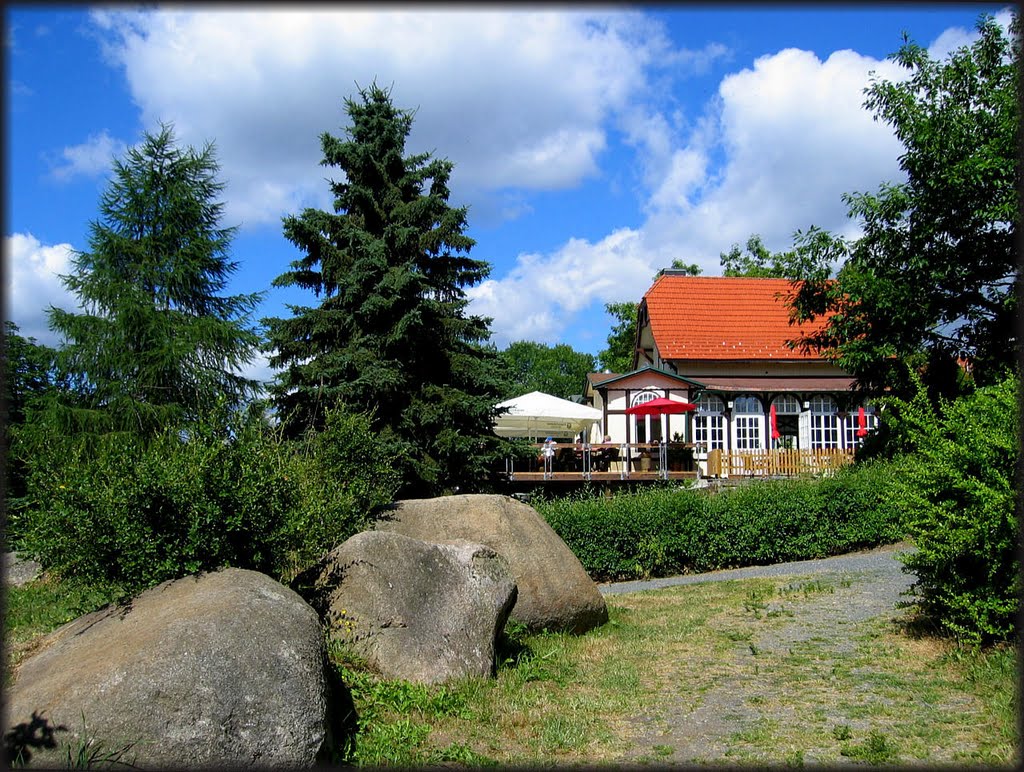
(422, 612)
(555, 592)
(216, 670)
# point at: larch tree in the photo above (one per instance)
(158, 341)
(391, 336)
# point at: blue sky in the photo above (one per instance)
(592, 145)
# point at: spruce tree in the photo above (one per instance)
(157, 341)
(390, 336)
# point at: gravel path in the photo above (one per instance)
(880, 560)
(867, 585)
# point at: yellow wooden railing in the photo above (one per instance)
(776, 463)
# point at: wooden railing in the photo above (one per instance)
(776, 463)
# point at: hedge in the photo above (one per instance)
(664, 531)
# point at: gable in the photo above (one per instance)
(644, 375)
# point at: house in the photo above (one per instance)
(722, 342)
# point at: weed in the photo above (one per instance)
(755, 602)
(842, 732)
(876, 749)
(89, 753)
(562, 732)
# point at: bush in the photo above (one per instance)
(663, 531)
(114, 510)
(960, 499)
(344, 474)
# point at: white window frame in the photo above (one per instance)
(825, 424)
(639, 398)
(788, 404)
(747, 423)
(709, 423)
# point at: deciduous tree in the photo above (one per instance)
(618, 357)
(935, 275)
(757, 260)
(559, 370)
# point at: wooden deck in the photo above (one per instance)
(673, 461)
(575, 477)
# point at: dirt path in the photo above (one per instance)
(822, 625)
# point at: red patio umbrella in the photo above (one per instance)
(774, 423)
(862, 422)
(661, 406)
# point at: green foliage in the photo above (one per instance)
(619, 356)
(343, 474)
(38, 607)
(687, 269)
(30, 378)
(133, 514)
(119, 511)
(28, 373)
(663, 531)
(391, 336)
(757, 261)
(875, 749)
(556, 370)
(934, 275)
(157, 341)
(383, 739)
(958, 490)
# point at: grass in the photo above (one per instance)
(631, 691)
(41, 606)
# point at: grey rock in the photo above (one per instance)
(426, 613)
(18, 571)
(221, 669)
(555, 592)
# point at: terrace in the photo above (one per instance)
(649, 462)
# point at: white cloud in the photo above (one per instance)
(534, 301)
(91, 158)
(518, 99)
(32, 284)
(957, 37)
(522, 101)
(258, 369)
(777, 148)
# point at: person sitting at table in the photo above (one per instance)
(565, 461)
(606, 455)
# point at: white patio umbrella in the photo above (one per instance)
(537, 415)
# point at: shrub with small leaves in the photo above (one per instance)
(120, 510)
(958, 490)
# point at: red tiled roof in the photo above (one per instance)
(724, 317)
